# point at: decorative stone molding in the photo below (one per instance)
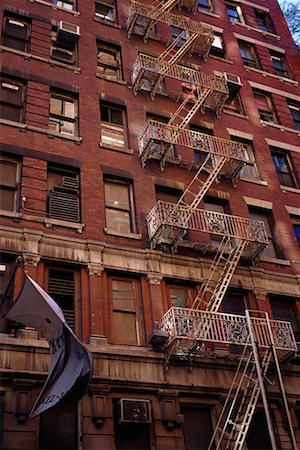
(154, 278)
(23, 402)
(168, 407)
(31, 259)
(260, 293)
(98, 395)
(95, 269)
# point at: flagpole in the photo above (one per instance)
(11, 279)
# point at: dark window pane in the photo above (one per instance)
(258, 435)
(197, 427)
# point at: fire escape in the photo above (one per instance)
(187, 330)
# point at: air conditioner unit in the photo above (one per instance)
(234, 84)
(67, 32)
(134, 411)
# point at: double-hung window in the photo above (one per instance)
(249, 170)
(272, 250)
(218, 47)
(64, 52)
(9, 183)
(113, 126)
(265, 107)
(205, 6)
(63, 117)
(16, 32)
(248, 54)
(119, 208)
(180, 295)
(235, 13)
(284, 168)
(279, 64)
(295, 113)
(109, 61)
(264, 21)
(12, 100)
(70, 5)
(106, 10)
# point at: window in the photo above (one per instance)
(16, 32)
(126, 320)
(264, 21)
(109, 61)
(248, 55)
(70, 5)
(295, 113)
(200, 155)
(219, 206)
(167, 194)
(272, 250)
(197, 426)
(235, 13)
(7, 267)
(296, 227)
(258, 434)
(249, 170)
(63, 194)
(205, 6)
(180, 295)
(265, 107)
(234, 105)
(119, 206)
(279, 64)
(284, 168)
(9, 183)
(106, 10)
(141, 25)
(113, 126)
(148, 81)
(234, 303)
(218, 47)
(62, 286)
(63, 418)
(159, 145)
(63, 52)
(63, 117)
(179, 35)
(12, 99)
(285, 308)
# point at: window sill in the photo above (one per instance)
(209, 13)
(128, 151)
(52, 62)
(50, 5)
(272, 75)
(260, 182)
(227, 61)
(48, 222)
(278, 261)
(107, 22)
(232, 113)
(136, 236)
(264, 33)
(280, 127)
(289, 189)
(51, 134)
(113, 80)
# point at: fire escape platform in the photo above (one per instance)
(156, 13)
(166, 220)
(154, 67)
(188, 326)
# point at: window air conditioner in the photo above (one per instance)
(234, 84)
(134, 411)
(67, 32)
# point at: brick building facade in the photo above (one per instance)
(75, 201)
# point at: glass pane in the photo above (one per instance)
(178, 296)
(123, 298)
(108, 57)
(117, 116)
(104, 12)
(117, 196)
(125, 328)
(104, 110)
(67, 127)
(56, 106)
(118, 221)
(69, 109)
(8, 173)
(7, 199)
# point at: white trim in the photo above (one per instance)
(283, 145)
(264, 204)
(255, 5)
(272, 75)
(241, 134)
(268, 89)
(293, 210)
(258, 42)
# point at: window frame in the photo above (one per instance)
(264, 22)
(250, 159)
(14, 104)
(284, 71)
(250, 57)
(64, 49)
(109, 126)
(237, 103)
(16, 189)
(266, 216)
(62, 118)
(218, 51)
(110, 4)
(266, 115)
(136, 311)
(296, 227)
(235, 18)
(281, 174)
(22, 20)
(294, 106)
(131, 207)
(190, 294)
(117, 67)
(67, 2)
(205, 6)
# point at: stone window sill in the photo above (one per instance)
(225, 60)
(272, 75)
(128, 151)
(52, 62)
(55, 7)
(280, 127)
(107, 22)
(136, 236)
(232, 113)
(51, 134)
(278, 261)
(209, 13)
(290, 189)
(249, 180)
(47, 221)
(113, 80)
(264, 33)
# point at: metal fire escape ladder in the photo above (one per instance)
(159, 6)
